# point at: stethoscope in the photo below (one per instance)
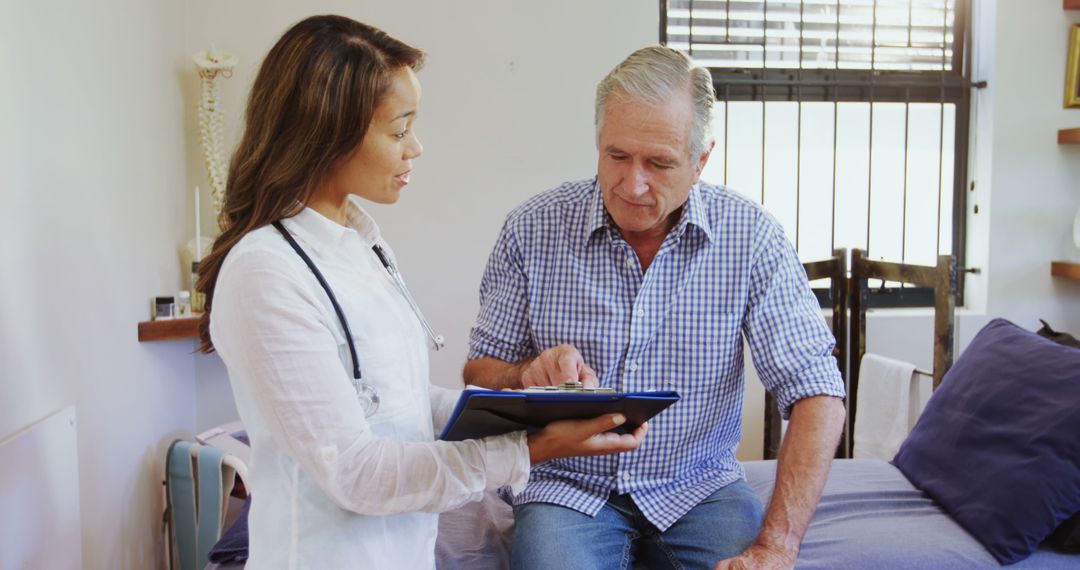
(368, 395)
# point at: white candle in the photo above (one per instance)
(198, 241)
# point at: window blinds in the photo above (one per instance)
(897, 35)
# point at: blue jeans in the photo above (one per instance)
(548, 536)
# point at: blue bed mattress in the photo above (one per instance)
(870, 516)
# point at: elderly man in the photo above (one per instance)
(645, 278)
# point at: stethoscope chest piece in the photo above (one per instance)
(369, 398)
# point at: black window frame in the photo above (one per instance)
(875, 86)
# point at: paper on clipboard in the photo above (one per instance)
(483, 413)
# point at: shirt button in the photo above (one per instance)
(626, 475)
(640, 312)
(630, 261)
(633, 366)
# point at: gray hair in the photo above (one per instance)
(655, 74)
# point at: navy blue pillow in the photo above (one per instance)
(998, 445)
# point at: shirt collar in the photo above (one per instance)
(597, 214)
(318, 232)
(693, 213)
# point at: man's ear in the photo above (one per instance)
(702, 161)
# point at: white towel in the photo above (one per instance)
(889, 401)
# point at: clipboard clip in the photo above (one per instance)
(570, 386)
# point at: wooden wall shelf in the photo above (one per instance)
(1069, 136)
(168, 329)
(1067, 269)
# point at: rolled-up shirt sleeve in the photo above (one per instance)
(792, 345)
(278, 346)
(502, 326)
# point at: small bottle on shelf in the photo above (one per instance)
(183, 305)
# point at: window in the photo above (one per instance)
(847, 119)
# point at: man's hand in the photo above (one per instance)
(557, 365)
(759, 557)
(801, 471)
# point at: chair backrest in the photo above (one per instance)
(850, 295)
(941, 278)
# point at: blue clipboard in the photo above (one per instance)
(482, 413)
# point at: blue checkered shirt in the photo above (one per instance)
(562, 273)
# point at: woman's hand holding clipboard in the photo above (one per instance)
(483, 413)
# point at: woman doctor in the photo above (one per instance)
(345, 472)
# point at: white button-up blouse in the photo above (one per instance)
(331, 488)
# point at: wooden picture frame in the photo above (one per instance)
(1072, 71)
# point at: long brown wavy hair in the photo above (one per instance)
(310, 106)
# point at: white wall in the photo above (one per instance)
(92, 174)
(1035, 183)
